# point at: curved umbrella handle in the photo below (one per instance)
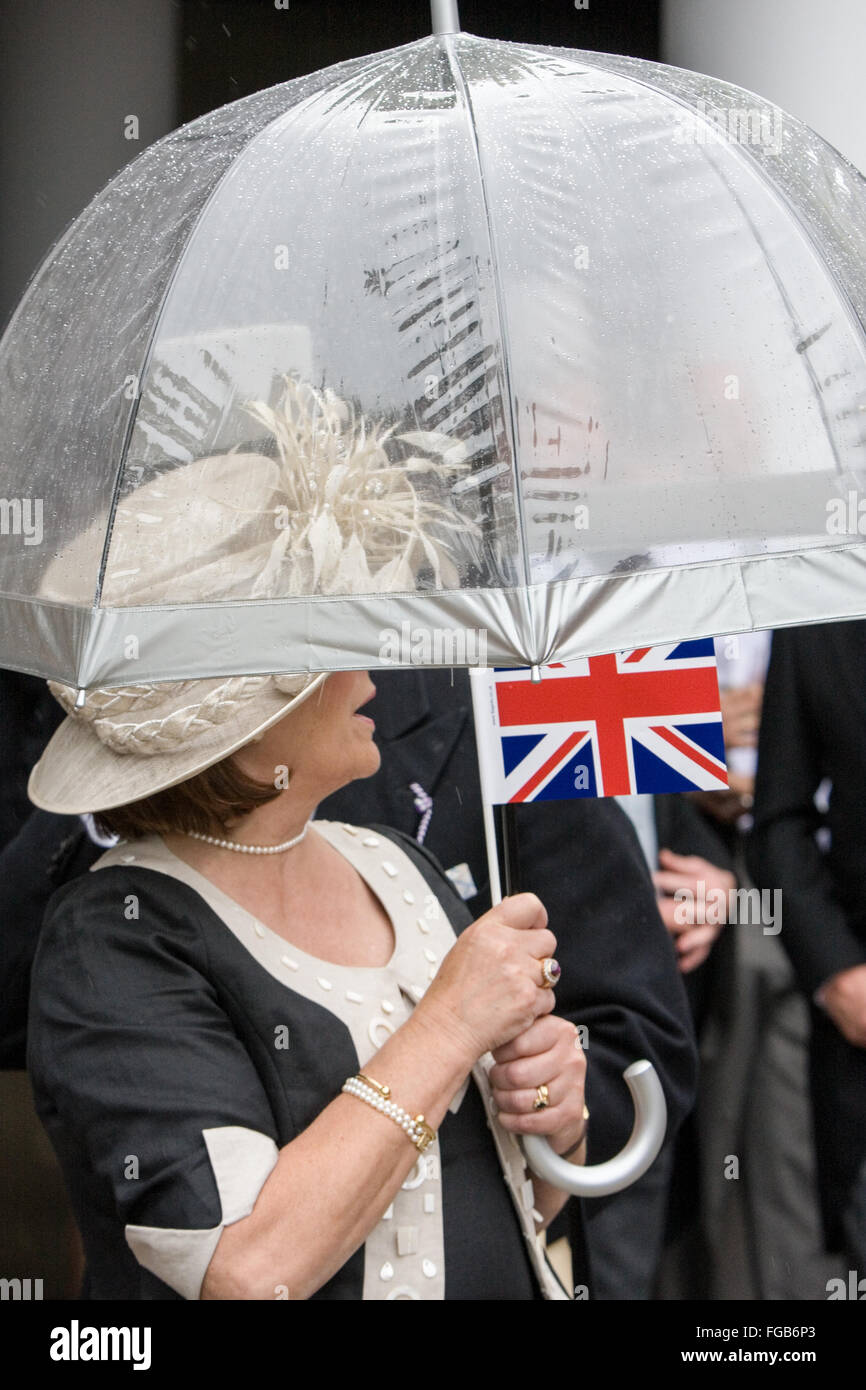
(645, 1140)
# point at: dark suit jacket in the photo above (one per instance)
(814, 726)
(29, 714)
(47, 852)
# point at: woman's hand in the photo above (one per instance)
(547, 1054)
(489, 986)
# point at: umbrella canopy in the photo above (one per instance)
(608, 314)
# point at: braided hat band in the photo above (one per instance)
(104, 710)
(130, 742)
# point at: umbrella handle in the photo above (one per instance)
(641, 1150)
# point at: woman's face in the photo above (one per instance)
(324, 743)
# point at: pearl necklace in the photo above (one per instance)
(249, 849)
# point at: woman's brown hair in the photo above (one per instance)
(205, 803)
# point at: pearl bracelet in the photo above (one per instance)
(366, 1089)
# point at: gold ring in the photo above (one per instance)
(542, 1098)
(550, 972)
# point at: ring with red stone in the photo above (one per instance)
(550, 972)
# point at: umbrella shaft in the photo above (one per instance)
(444, 17)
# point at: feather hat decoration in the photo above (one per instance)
(353, 520)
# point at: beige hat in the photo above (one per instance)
(333, 514)
(129, 743)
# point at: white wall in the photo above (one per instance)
(808, 58)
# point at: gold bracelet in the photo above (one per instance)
(384, 1091)
(379, 1097)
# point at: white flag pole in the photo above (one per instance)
(479, 684)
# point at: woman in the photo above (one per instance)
(257, 1046)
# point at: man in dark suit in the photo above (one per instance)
(814, 728)
(47, 851)
(619, 974)
(29, 714)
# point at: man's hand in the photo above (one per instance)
(844, 998)
(693, 934)
(741, 722)
(741, 715)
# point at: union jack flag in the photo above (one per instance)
(646, 720)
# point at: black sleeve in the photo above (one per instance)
(46, 852)
(29, 714)
(783, 850)
(133, 1057)
(684, 829)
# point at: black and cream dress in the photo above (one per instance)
(177, 1043)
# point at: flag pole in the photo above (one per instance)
(476, 677)
(510, 861)
(509, 877)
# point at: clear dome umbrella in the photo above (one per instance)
(468, 347)
(630, 299)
